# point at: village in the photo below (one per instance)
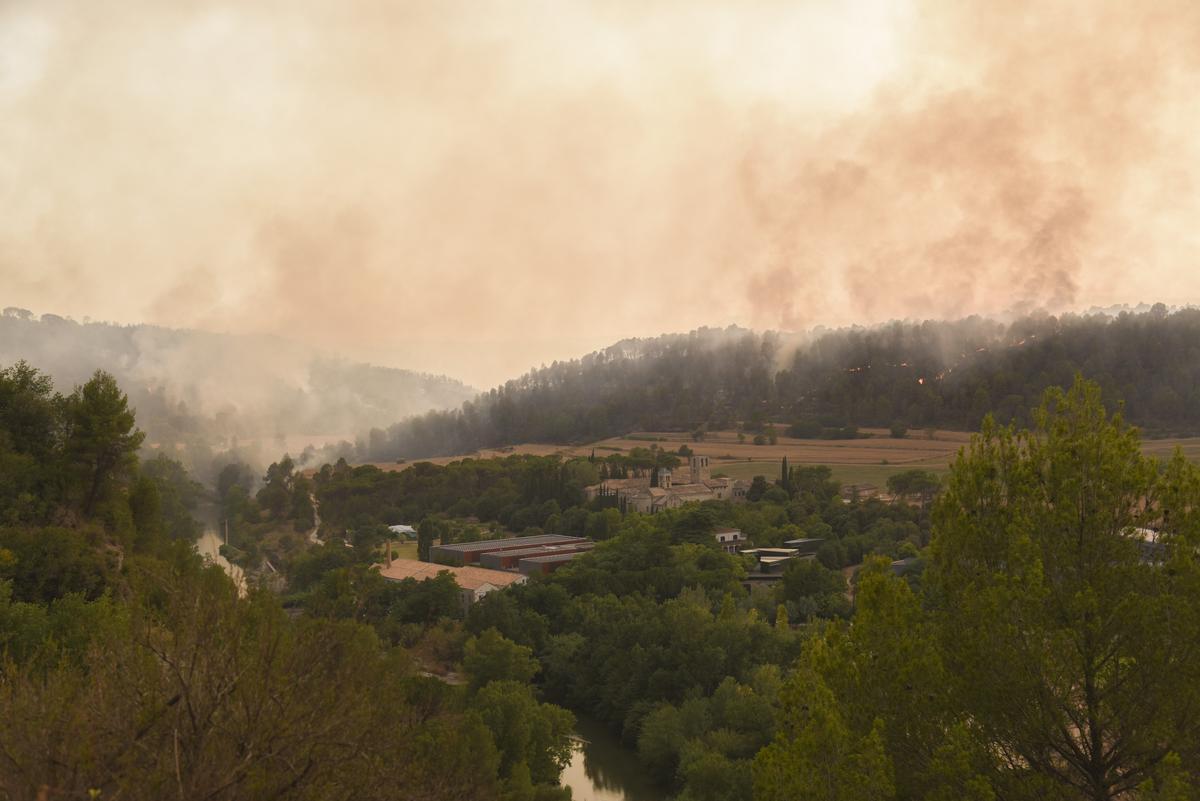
(485, 566)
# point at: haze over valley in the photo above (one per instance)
(599, 400)
(477, 189)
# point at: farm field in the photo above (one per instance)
(854, 461)
(870, 460)
(1165, 448)
(876, 474)
(406, 549)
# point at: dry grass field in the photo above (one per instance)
(1165, 448)
(870, 460)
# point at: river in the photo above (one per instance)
(209, 546)
(602, 769)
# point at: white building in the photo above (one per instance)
(730, 539)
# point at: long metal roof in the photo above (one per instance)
(483, 546)
(547, 550)
(550, 559)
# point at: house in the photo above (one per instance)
(407, 532)
(475, 582)
(730, 539)
(770, 564)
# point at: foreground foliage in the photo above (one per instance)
(1053, 654)
(129, 669)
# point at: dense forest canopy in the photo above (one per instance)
(941, 374)
(1040, 641)
(131, 669)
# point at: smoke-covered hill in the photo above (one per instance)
(200, 393)
(941, 374)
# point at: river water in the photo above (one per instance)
(209, 546)
(602, 769)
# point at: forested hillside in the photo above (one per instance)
(1043, 647)
(200, 393)
(941, 374)
(1051, 658)
(130, 669)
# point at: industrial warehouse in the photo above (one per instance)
(482, 567)
(502, 553)
(486, 565)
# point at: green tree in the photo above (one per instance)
(526, 732)
(493, 657)
(660, 740)
(193, 692)
(101, 441)
(178, 494)
(758, 488)
(1071, 628)
(919, 483)
(816, 755)
(28, 410)
(820, 590)
(427, 532)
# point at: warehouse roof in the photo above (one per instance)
(549, 550)
(483, 546)
(469, 578)
(550, 558)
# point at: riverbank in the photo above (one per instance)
(602, 769)
(209, 547)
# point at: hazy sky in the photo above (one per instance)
(474, 187)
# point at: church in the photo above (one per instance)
(637, 494)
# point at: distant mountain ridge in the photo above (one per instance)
(198, 391)
(923, 374)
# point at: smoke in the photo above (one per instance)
(1024, 182)
(477, 187)
(199, 395)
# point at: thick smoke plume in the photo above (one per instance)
(208, 398)
(473, 187)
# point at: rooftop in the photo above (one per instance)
(483, 546)
(548, 550)
(549, 558)
(469, 578)
(771, 551)
(690, 489)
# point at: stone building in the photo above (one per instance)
(636, 494)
